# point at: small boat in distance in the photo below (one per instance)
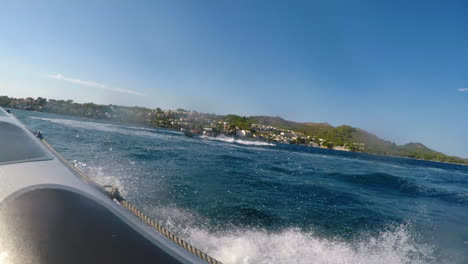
(187, 132)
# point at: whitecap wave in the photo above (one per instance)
(238, 141)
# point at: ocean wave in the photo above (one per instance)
(402, 185)
(238, 141)
(233, 158)
(378, 180)
(281, 169)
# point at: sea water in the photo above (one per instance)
(254, 202)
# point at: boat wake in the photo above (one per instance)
(238, 141)
(112, 128)
(140, 131)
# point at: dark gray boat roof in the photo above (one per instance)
(17, 145)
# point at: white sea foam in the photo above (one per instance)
(239, 141)
(294, 246)
(246, 246)
(102, 178)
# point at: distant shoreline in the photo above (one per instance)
(258, 128)
(271, 142)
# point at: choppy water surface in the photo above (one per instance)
(245, 202)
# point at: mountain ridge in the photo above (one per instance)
(373, 144)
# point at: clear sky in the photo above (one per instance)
(398, 69)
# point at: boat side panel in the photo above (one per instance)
(59, 226)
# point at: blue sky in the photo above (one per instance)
(394, 68)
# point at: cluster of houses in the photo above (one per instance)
(196, 123)
(271, 133)
(178, 119)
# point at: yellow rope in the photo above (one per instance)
(113, 193)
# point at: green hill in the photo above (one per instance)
(306, 128)
(358, 140)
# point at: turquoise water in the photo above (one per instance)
(248, 202)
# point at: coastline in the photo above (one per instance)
(264, 136)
